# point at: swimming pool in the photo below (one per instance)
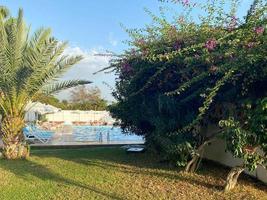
(103, 134)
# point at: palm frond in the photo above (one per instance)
(49, 74)
(4, 64)
(4, 12)
(56, 87)
(30, 65)
(13, 39)
(14, 103)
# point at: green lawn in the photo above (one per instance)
(110, 173)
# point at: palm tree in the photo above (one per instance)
(4, 11)
(30, 64)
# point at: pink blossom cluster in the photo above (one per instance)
(140, 42)
(144, 53)
(211, 44)
(259, 30)
(233, 23)
(133, 52)
(126, 67)
(184, 2)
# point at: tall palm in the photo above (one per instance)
(29, 65)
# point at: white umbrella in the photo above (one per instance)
(41, 108)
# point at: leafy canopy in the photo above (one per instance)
(181, 77)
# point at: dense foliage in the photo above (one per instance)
(247, 137)
(87, 98)
(82, 98)
(30, 64)
(180, 79)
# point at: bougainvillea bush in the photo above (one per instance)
(246, 138)
(180, 79)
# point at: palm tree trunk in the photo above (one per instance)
(14, 144)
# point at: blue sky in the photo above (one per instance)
(86, 23)
(90, 26)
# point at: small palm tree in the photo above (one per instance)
(29, 65)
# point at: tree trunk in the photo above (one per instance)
(193, 164)
(232, 177)
(15, 146)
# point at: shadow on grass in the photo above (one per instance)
(116, 159)
(24, 168)
(145, 164)
(173, 174)
(105, 154)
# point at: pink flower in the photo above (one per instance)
(144, 53)
(140, 42)
(133, 52)
(126, 67)
(186, 2)
(211, 44)
(259, 30)
(233, 23)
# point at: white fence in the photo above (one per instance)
(80, 116)
(216, 152)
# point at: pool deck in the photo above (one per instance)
(67, 141)
(75, 144)
(80, 146)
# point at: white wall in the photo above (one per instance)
(80, 116)
(216, 152)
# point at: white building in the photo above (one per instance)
(52, 114)
(36, 109)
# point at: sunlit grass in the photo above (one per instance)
(110, 173)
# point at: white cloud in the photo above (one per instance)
(86, 67)
(90, 57)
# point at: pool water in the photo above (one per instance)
(103, 134)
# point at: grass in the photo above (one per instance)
(110, 173)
